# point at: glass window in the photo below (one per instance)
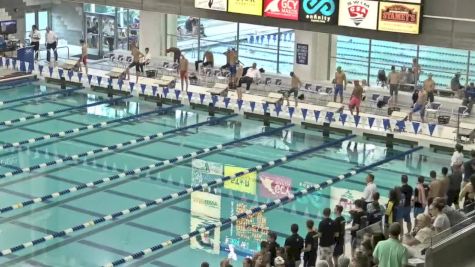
(30, 20)
(287, 51)
(386, 54)
(93, 8)
(42, 20)
(471, 75)
(352, 55)
(443, 63)
(258, 44)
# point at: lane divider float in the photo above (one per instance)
(64, 91)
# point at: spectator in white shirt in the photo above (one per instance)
(35, 40)
(457, 157)
(441, 221)
(370, 189)
(252, 75)
(146, 59)
(51, 43)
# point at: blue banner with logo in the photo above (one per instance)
(26, 54)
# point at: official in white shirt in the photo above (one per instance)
(370, 189)
(144, 61)
(51, 43)
(35, 40)
(252, 75)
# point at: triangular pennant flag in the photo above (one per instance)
(239, 103)
(7, 62)
(316, 114)
(177, 94)
(401, 125)
(14, 63)
(357, 119)
(431, 128)
(154, 90)
(291, 111)
(329, 116)
(226, 102)
(131, 86)
(40, 68)
(190, 95)
(120, 82)
(165, 91)
(386, 124)
(50, 71)
(99, 80)
(343, 118)
(142, 88)
(70, 74)
(371, 122)
(80, 76)
(265, 106)
(60, 72)
(202, 98)
(109, 81)
(215, 99)
(416, 125)
(304, 113)
(253, 105)
(278, 109)
(89, 78)
(1, 61)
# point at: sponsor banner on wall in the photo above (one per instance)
(205, 209)
(219, 5)
(282, 9)
(274, 186)
(248, 7)
(245, 183)
(361, 14)
(404, 1)
(320, 11)
(399, 17)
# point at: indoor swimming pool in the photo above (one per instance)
(72, 158)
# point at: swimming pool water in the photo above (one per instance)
(109, 241)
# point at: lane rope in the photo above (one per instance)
(261, 208)
(138, 170)
(84, 128)
(143, 139)
(52, 113)
(63, 91)
(93, 222)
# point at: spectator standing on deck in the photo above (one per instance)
(294, 246)
(435, 187)
(456, 161)
(295, 84)
(421, 193)
(394, 78)
(375, 210)
(357, 214)
(326, 232)
(252, 75)
(340, 84)
(311, 245)
(145, 60)
(404, 209)
(51, 43)
(273, 246)
(35, 38)
(176, 53)
(370, 189)
(183, 67)
(390, 252)
(339, 224)
(416, 68)
(356, 98)
(455, 183)
(467, 195)
(429, 87)
(456, 86)
(469, 167)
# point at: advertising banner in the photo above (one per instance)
(404, 1)
(219, 5)
(282, 9)
(205, 209)
(301, 54)
(246, 183)
(399, 17)
(361, 14)
(274, 186)
(248, 7)
(320, 11)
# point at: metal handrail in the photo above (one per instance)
(59, 47)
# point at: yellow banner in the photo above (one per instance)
(249, 7)
(399, 17)
(245, 183)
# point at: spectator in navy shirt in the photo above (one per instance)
(294, 246)
(326, 231)
(311, 246)
(339, 224)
